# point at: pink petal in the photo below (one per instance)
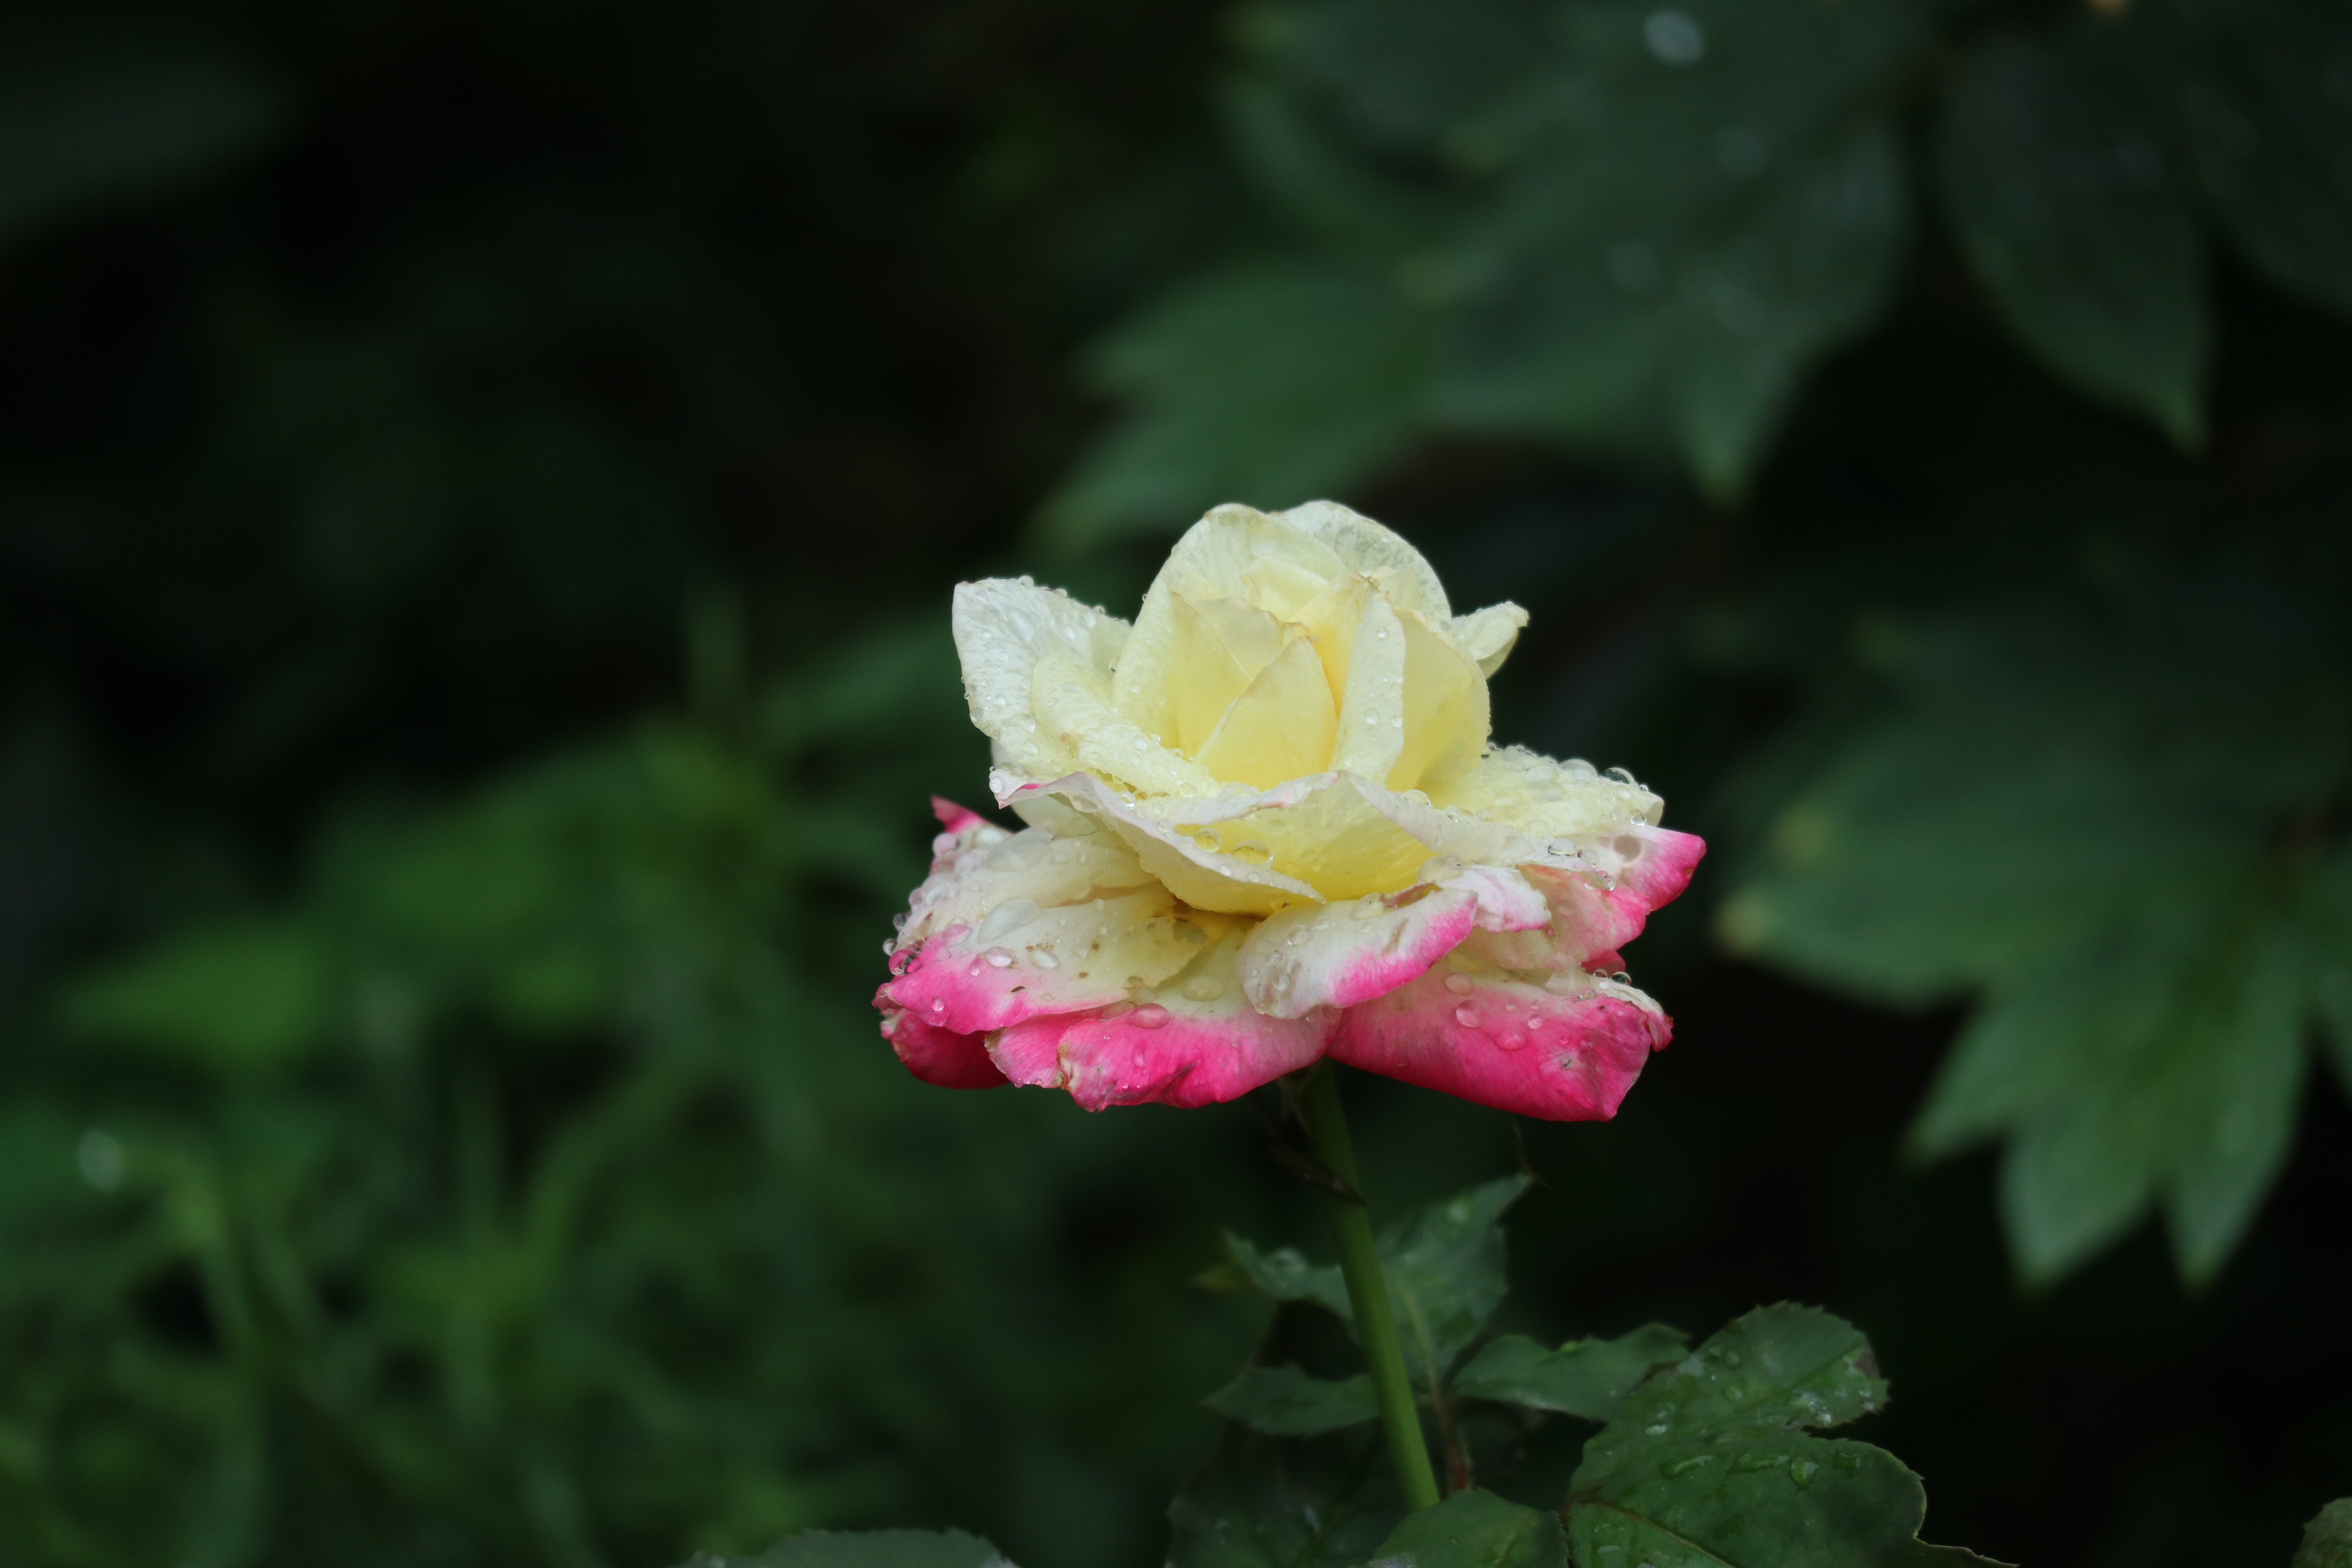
(1563, 1056)
(1600, 902)
(939, 1056)
(1336, 955)
(1171, 1045)
(953, 817)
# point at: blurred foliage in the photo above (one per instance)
(477, 495)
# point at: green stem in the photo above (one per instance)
(1359, 1265)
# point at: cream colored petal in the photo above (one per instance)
(1003, 628)
(1545, 799)
(1445, 713)
(1363, 545)
(989, 870)
(1336, 832)
(1487, 635)
(1331, 618)
(1233, 553)
(1371, 705)
(1184, 858)
(1280, 728)
(1073, 711)
(1222, 645)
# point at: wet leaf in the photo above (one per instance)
(1475, 1529)
(2328, 1539)
(1588, 1378)
(1269, 1502)
(1710, 1463)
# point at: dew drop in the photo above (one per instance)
(1802, 1471)
(1205, 988)
(1748, 1463)
(1846, 1459)
(955, 933)
(1622, 978)
(1538, 1021)
(1467, 1016)
(1044, 958)
(1250, 850)
(1369, 908)
(1674, 1469)
(1512, 1041)
(1459, 985)
(999, 957)
(938, 1005)
(1150, 1015)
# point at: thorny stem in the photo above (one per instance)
(1359, 1265)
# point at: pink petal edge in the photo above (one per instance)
(937, 1056)
(1504, 1043)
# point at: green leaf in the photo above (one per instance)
(1268, 1502)
(2015, 833)
(2328, 1539)
(1475, 1529)
(249, 998)
(1444, 1266)
(2257, 86)
(1707, 1463)
(85, 128)
(1285, 1402)
(866, 1549)
(1272, 384)
(2070, 216)
(1589, 1378)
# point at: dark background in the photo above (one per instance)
(478, 490)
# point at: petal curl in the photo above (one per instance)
(1600, 898)
(1545, 799)
(1338, 955)
(1566, 1051)
(939, 1056)
(1193, 1040)
(1004, 627)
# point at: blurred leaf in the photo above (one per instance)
(1708, 1463)
(2018, 834)
(2075, 223)
(2259, 89)
(2328, 1539)
(1269, 1502)
(1284, 1401)
(1475, 1529)
(866, 1549)
(1587, 1378)
(1444, 1268)
(83, 128)
(1277, 383)
(239, 998)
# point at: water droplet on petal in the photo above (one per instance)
(1538, 1021)
(1205, 988)
(1459, 985)
(1150, 1015)
(938, 1005)
(1467, 1016)
(1044, 958)
(999, 957)
(1512, 1041)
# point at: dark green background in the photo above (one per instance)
(478, 489)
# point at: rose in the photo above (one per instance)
(1265, 825)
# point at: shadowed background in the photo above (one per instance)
(478, 490)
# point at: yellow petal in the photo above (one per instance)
(1362, 545)
(1371, 704)
(1220, 645)
(1002, 627)
(1445, 713)
(1545, 799)
(1281, 728)
(1073, 708)
(1487, 635)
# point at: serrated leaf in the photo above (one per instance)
(1444, 1266)
(2018, 834)
(2072, 220)
(1708, 1463)
(866, 1549)
(2328, 1539)
(1588, 1378)
(1284, 1401)
(1474, 1528)
(1272, 1502)
(83, 128)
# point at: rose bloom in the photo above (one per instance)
(1265, 826)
